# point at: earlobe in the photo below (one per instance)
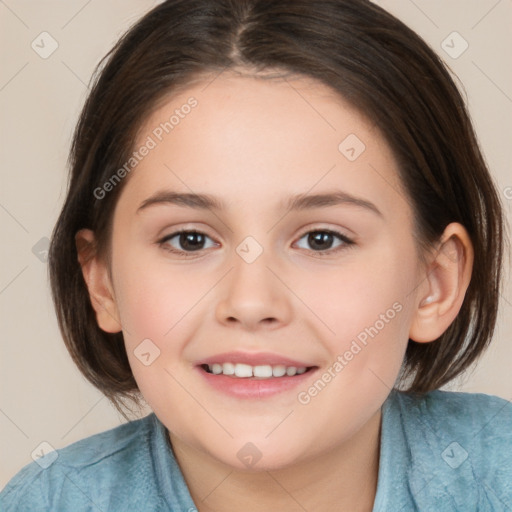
(96, 277)
(440, 297)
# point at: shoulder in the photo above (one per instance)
(76, 474)
(479, 423)
(459, 446)
(468, 403)
(461, 414)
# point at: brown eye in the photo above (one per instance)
(187, 241)
(325, 240)
(320, 240)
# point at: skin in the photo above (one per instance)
(252, 143)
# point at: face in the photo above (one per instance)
(303, 261)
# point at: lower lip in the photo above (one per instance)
(251, 387)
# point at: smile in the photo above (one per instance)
(245, 375)
(245, 371)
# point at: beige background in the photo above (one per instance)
(43, 397)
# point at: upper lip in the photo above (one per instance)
(253, 359)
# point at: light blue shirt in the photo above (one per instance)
(443, 452)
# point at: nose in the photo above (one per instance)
(253, 297)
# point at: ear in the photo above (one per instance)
(440, 296)
(98, 283)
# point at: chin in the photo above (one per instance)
(260, 454)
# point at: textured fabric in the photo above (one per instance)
(442, 452)
(445, 452)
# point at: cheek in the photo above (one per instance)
(156, 308)
(152, 298)
(367, 306)
(367, 309)
(362, 292)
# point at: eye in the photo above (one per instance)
(186, 241)
(322, 241)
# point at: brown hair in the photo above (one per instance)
(353, 46)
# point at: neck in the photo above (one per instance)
(344, 479)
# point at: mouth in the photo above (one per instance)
(244, 375)
(247, 371)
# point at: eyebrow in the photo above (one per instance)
(294, 203)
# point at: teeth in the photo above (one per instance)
(243, 370)
(228, 369)
(262, 371)
(216, 368)
(279, 370)
(265, 371)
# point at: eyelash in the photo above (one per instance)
(347, 243)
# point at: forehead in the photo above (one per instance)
(257, 139)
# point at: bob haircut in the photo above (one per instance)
(367, 56)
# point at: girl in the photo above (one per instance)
(281, 234)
